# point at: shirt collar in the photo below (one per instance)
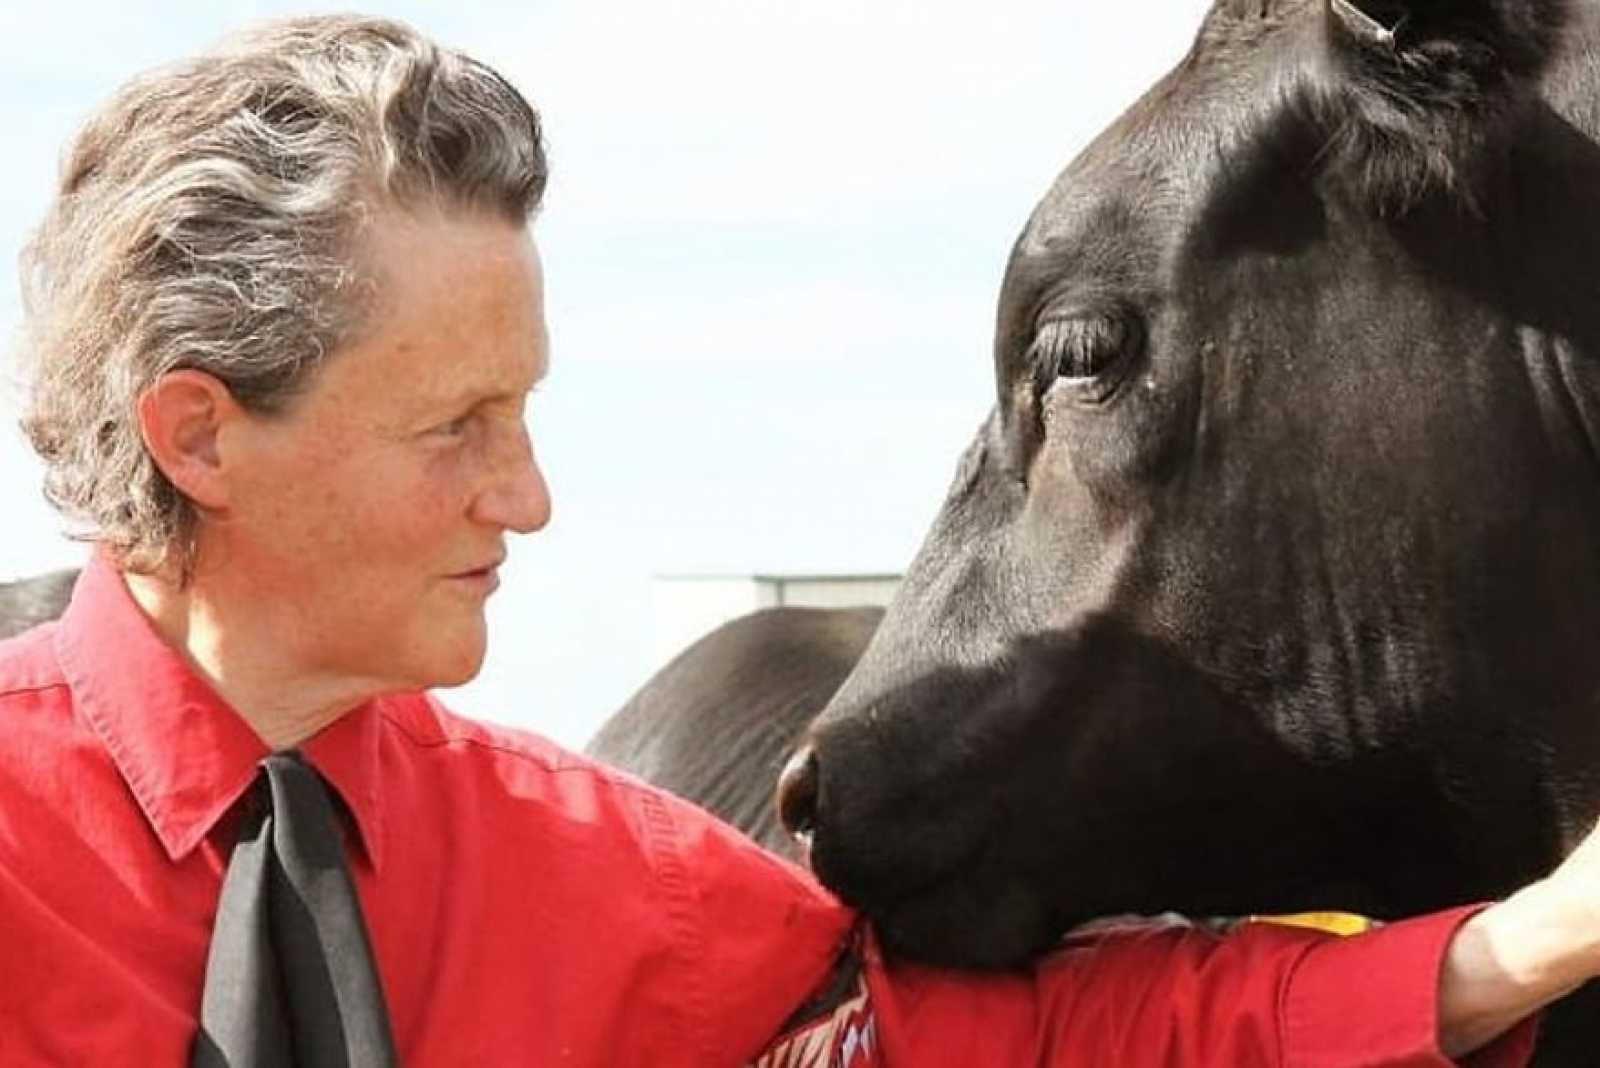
(185, 754)
(346, 752)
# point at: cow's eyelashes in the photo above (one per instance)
(1084, 352)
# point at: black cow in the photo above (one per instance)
(718, 723)
(1273, 578)
(30, 601)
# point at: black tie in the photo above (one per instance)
(290, 979)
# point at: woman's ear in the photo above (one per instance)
(181, 417)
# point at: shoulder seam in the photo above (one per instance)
(594, 769)
(449, 739)
(673, 874)
(20, 690)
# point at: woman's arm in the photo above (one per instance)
(1516, 957)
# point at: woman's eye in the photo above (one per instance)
(454, 428)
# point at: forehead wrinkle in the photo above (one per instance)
(498, 383)
(507, 368)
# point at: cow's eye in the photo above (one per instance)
(1081, 347)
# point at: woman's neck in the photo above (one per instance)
(247, 655)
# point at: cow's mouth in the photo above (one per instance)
(968, 916)
(946, 888)
(943, 847)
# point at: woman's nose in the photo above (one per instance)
(518, 498)
(528, 500)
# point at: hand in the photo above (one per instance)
(1516, 957)
(1577, 881)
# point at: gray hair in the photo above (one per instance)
(208, 218)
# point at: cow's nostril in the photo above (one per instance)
(797, 793)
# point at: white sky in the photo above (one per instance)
(773, 240)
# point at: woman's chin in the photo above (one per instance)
(454, 659)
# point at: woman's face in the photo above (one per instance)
(369, 518)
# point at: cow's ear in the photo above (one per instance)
(1419, 91)
(1376, 28)
(1483, 41)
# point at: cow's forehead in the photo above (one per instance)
(1159, 159)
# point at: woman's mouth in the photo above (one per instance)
(482, 581)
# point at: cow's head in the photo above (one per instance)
(1286, 511)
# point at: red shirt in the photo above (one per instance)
(529, 907)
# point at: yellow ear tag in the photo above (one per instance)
(1334, 923)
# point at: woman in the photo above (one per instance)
(284, 317)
